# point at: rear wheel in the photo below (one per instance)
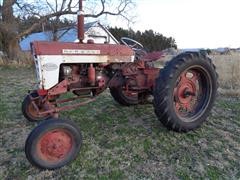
(28, 109)
(123, 97)
(53, 144)
(185, 91)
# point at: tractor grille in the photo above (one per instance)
(38, 72)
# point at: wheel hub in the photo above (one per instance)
(35, 106)
(185, 92)
(54, 145)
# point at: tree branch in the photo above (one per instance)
(43, 19)
(121, 8)
(50, 6)
(66, 8)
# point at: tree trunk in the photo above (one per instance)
(14, 52)
(10, 42)
(55, 26)
(8, 30)
(55, 34)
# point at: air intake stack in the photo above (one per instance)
(80, 22)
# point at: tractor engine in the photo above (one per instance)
(84, 79)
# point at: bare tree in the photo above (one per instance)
(50, 10)
(8, 28)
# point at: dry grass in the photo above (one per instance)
(228, 68)
(25, 59)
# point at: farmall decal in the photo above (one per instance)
(50, 67)
(80, 51)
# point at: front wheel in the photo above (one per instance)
(28, 109)
(53, 144)
(185, 91)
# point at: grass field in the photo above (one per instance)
(122, 142)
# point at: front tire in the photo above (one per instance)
(28, 110)
(185, 91)
(53, 144)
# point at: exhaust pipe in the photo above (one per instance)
(80, 20)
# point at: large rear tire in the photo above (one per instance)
(53, 144)
(185, 91)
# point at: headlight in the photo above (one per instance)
(67, 71)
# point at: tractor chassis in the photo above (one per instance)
(47, 99)
(53, 108)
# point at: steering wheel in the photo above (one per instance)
(136, 46)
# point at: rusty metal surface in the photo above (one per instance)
(54, 110)
(80, 22)
(152, 74)
(59, 88)
(133, 68)
(153, 56)
(139, 75)
(91, 75)
(70, 99)
(186, 90)
(68, 48)
(54, 145)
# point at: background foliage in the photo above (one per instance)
(152, 41)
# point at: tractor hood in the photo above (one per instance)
(48, 56)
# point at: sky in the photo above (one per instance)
(192, 23)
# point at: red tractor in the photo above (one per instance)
(184, 90)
